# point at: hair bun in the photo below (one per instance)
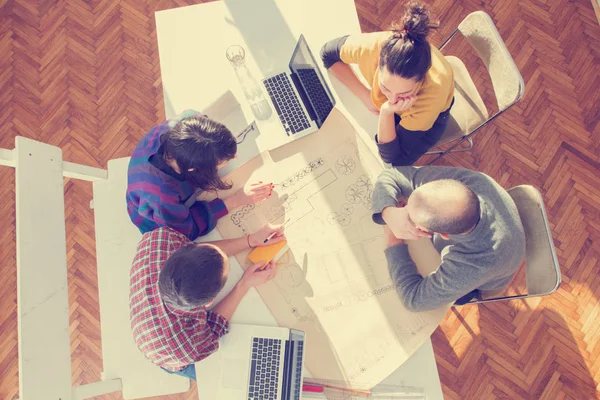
(405, 34)
(416, 22)
(407, 53)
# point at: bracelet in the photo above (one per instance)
(248, 239)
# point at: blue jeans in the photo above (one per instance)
(188, 372)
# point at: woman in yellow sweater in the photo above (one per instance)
(411, 83)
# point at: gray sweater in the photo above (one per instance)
(486, 258)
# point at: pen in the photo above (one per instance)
(320, 387)
(274, 233)
(270, 237)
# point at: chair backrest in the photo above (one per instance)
(481, 33)
(468, 111)
(542, 269)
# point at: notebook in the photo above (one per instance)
(269, 253)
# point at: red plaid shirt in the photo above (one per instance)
(171, 339)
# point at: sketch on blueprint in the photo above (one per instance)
(344, 219)
(292, 200)
(410, 329)
(347, 208)
(298, 175)
(238, 215)
(361, 191)
(291, 278)
(345, 165)
(335, 272)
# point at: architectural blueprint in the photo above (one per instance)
(334, 282)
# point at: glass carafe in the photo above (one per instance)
(252, 91)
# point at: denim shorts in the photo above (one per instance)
(188, 372)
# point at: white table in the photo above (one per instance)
(192, 42)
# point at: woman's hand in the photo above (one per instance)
(268, 234)
(365, 97)
(250, 194)
(400, 106)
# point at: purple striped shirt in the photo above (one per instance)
(156, 199)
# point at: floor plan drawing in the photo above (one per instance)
(334, 282)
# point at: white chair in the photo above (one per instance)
(42, 288)
(469, 113)
(44, 343)
(541, 264)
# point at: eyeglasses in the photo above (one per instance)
(245, 132)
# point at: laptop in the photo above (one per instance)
(254, 363)
(301, 98)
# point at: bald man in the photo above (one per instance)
(473, 222)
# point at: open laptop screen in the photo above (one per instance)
(304, 66)
(292, 369)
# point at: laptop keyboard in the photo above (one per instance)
(315, 92)
(264, 370)
(298, 377)
(287, 104)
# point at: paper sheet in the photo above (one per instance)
(334, 282)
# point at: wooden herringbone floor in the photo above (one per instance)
(84, 75)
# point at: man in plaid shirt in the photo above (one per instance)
(173, 280)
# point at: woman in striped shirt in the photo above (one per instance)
(171, 163)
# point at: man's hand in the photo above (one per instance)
(400, 106)
(274, 232)
(398, 221)
(250, 194)
(391, 240)
(257, 274)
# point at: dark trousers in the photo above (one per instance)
(474, 294)
(410, 145)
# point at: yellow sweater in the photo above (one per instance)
(434, 93)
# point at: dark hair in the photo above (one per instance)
(407, 53)
(436, 217)
(191, 277)
(199, 143)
